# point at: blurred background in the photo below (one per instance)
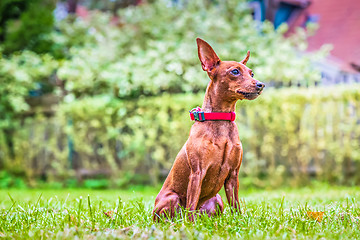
(96, 93)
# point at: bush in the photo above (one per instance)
(117, 113)
(26, 25)
(154, 50)
(289, 136)
(18, 75)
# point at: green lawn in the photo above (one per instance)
(279, 214)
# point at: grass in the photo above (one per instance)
(109, 214)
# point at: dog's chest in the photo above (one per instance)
(214, 146)
(220, 164)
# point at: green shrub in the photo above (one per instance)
(10, 181)
(18, 75)
(96, 183)
(118, 114)
(289, 136)
(26, 24)
(154, 51)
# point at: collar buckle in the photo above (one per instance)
(199, 116)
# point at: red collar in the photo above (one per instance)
(198, 115)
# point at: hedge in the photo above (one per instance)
(289, 136)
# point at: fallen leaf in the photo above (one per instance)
(109, 214)
(318, 216)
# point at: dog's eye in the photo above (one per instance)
(252, 74)
(235, 71)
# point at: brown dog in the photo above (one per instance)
(212, 155)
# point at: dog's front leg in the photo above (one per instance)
(232, 190)
(196, 176)
(194, 189)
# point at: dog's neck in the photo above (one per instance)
(214, 102)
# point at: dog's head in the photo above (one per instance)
(233, 79)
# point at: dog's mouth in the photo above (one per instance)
(249, 95)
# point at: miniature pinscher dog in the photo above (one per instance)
(212, 155)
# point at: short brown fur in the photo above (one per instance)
(212, 155)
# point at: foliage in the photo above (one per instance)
(25, 24)
(127, 215)
(292, 135)
(109, 118)
(154, 50)
(150, 51)
(9, 181)
(18, 75)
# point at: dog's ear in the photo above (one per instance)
(244, 61)
(208, 58)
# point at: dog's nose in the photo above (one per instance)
(260, 86)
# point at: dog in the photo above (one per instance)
(212, 155)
